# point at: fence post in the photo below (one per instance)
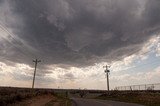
(153, 86)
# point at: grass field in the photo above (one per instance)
(145, 98)
(12, 96)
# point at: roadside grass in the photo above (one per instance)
(144, 98)
(61, 100)
(10, 95)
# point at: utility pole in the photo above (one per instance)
(107, 75)
(36, 62)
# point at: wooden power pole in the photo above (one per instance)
(36, 62)
(107, 75)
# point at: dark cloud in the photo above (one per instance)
(78, 32)
(152, 14)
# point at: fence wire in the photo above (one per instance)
(155, 86)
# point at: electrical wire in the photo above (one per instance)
(152, 62)
(29, 54)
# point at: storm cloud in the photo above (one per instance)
(76, 33)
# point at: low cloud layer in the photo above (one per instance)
(75, 33)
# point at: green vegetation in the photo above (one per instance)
(145, 98)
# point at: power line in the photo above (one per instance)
(17, 47)
(140, 54)
(29, 54)
(134, 53)
(152, 62)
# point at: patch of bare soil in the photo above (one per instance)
(36, 101)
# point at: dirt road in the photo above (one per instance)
(93, 102)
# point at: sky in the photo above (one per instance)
(74, 39)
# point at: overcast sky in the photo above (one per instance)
(74, 39)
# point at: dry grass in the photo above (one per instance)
(145, 98)
(21, 96)
(12, 95)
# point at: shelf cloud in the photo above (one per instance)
(75, 33)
